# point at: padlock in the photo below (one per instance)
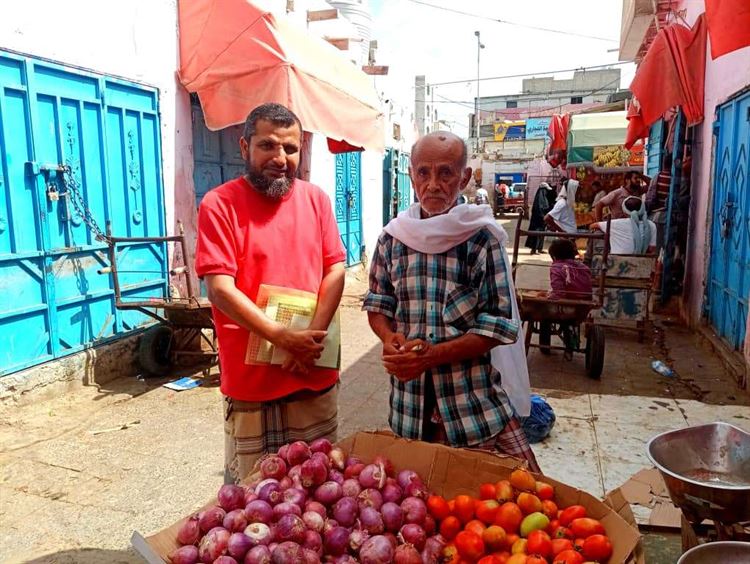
(52, 193)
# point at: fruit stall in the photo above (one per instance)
(374, 498)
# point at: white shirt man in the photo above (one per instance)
(621, 236)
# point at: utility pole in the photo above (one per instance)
(476, 103)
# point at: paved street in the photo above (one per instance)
(70, 495)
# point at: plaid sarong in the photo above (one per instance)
(252, 429)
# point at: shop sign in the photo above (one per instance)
(538, 128)
(510, 131)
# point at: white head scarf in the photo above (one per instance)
(569, 192)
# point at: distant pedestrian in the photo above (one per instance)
(562, 216)
(599, 192)
(543, 202)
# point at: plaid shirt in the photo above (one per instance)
(437, 298)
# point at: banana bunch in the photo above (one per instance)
(611, 157)
(581, 207)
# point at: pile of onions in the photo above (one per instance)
(313, 504)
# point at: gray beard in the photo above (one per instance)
(274, 189)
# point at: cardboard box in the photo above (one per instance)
(449, 472)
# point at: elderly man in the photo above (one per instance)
(270, 228)
(442, 303)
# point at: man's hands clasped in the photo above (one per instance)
(406, 360)
(304, 348)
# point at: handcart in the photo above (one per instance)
(185, 334)
(568, 319)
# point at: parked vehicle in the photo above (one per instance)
(515, 201)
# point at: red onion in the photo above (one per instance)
(317, 507)
(235, 521)
(184, 555)
(412, 533)
(295, 495)
(310, 556)
(329, 524)
(406, 554)
(190, 531)
(336, 476)
(370, 498)
(273, 546)
(384, 463)
(288, 553)
(259, 533)
(270, 492)
(376, 550)
(213, 545)
(345, 511)
(345, 559)
(433, 550)
(262, 483)
(313, 521)
(285, 483)
(352, 460)
(290, 528)
(321, 445)
(293, 472)
(429, 525)
(238, 545)
(357, 538)
(258, 555)
(286, 508)
(210, 518)
(323, 458)
(416, 489)
(283, 452)
(351, 488)
(392, 492)
(313, 473)
(337, 457)
(273, 466)
(372, 476)
(250, 496)
(231, 497)
(328, 493)
(259, 511)
(414, 510)
(354, 471)
(313, 541)
(393, 516)
(298, 452)
(336, 541)
(225, 560)
(391, 539)
(371, 520)
(405, 477)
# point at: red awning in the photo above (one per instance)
(237, 56)
(728, 25)
(671, 74)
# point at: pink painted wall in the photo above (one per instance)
(725, 76)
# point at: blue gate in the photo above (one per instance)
(729, 278)
(654, 148)
(75, 149)
(349, 204)
(397, 192)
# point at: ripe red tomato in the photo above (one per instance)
(464, 508)
(487, 491)
(539, 543)
(509, 517)
(469, 545)
(568, 557)
(487, 510)
(570, 513)
(597, 547)
(584, 527)
(475, 526)
(535, 559)
(558, 545)
(563, 533)
(438, 507)
(450, 527)
(552, 527)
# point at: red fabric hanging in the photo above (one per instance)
(728, 25)
(335, 146)
(558, 132)
(637, 128)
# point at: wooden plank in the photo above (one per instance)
(375, 69)
(320, 15)
(342, 44)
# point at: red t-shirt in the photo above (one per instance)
(257, 240)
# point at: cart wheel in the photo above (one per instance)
(545, 337)
(595, 352)
(154, 352)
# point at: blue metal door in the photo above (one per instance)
(729, 278)
(397, 192)
(76, 149)
(348, 204)
(654, 148)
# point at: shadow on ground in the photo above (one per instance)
(88, 556)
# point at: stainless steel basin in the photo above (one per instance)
(723, 552)
(707, 470)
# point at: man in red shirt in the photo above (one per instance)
(270, 228)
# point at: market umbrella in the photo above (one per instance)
(237, 56)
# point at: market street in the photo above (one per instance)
(72, 496)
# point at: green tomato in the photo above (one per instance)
(533, 522)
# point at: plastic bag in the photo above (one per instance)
(540, 421)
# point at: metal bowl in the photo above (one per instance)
(717, 553)
(707, 470)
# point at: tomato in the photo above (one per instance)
(504, 491)
(501, 557)
(558, 545)
(464, 508)
(487, 491)
(494, 537)
(470, 545)
(475, 526)
(510, 540)
(509, 517)
(535, 559)
(578, 544)
(519, 558)
(438, 507)
(597, 547)
(450, 527)
(450, 554)
(487, 510)
(549, 508)
(552, 527)
(522, 479)
(570, 513)
(544, 491)
(539, 543)
(519, 547)
(584, 527)
(568, 557)
(563, 533)
(452, 506)
(529, 503)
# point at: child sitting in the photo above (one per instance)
(570, 279)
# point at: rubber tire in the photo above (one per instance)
(595, 352)
(545, 337)
(154, 351)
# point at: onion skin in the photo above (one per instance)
(384, 463)
(270, 493)
(258, 555)
(336, 541)
(371, 520)
(413, 534)
(210, 518)
(231, 497)
(372, 476)
(273, 466)
(184, 555)
(313, 473)
(433, 550)
(288, 553)
(337, 458)
(393, 516)
(298, 452)
(259, 511)
(286, 508)
(259, 533)
(313, 541)
(416, 489)
(235, 521)
(429, 525)
(321, 445)
(354, 471)
(189, 532)
(283, 452)
(405, 477)
(345, 511)
(392, 492)
(407, 554)
(225, 560)
(310, 556)
(328, 493)
(357, 538)
(290, 528)
(213, 545)
(351, 487)
(376, 550)
(317, 507)
(239, 544)
(414, 509)
(370, 498)
(336, 476)
(296, 496)
(313, 521)
(352, 460)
